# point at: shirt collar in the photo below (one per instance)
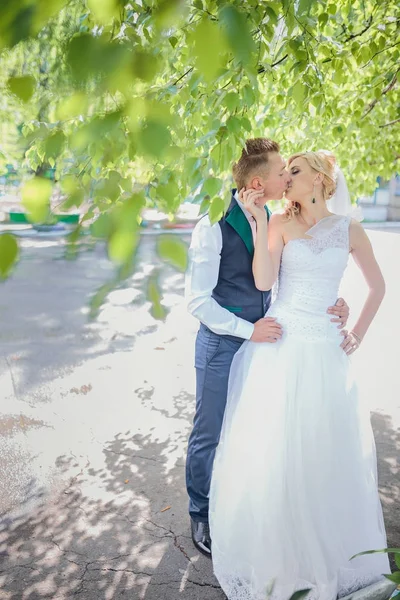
(248, 215)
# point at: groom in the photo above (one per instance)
(221, 293)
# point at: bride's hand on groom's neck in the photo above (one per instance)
(253, 201)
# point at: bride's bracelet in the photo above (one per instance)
(357, 337)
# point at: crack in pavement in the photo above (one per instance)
(128, 455)
(67, 551)
(19, 567)
(99, 560)
(122, 571)
(74, 479)
(176, 543)
(211, 585)
(178, 581)
(82, 588)
(82, 578)
(13, 382)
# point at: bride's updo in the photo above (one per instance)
(322, 162)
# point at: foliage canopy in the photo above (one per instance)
(149, 102)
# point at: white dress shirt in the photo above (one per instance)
(202, 277)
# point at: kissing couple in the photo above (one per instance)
(281, 463)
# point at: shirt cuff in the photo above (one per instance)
(245, 329)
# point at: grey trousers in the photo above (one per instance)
(213, 357)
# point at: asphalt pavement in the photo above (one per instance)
(94, 421)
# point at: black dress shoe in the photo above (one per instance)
(201, 537)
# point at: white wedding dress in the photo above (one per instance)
(294, 488)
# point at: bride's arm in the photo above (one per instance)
(267, 252)
(364, 257)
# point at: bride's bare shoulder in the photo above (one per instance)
(279, 221)
(278, 218)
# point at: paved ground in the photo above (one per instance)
(94, 423)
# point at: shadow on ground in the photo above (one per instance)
(136, 545)
(129, 547)
(388, 450)
(45, 328)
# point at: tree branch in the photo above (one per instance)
(391, 123)
(380, 52)
(275, 64)
(182, 76)
(385, 91)
(355, 35)
(278, 62)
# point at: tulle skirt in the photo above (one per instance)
(294, 489)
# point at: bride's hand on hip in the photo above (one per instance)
(340, 313)
(266, 330)
(351, 342)
(253, 203)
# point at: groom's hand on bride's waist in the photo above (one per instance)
(266, 329)
(340, 313)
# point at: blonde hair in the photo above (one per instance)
(254, 156)
(321, 162)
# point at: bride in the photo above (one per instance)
(294, 488)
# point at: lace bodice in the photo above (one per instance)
(309, 279)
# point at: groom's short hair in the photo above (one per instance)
(254, 155)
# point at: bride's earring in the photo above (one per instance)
(313, 198)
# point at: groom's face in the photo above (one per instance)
(273, 179)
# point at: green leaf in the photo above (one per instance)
(121, 245)
(154, 296)
(104, 11)
(170, 193)
(92, 57)
(273, 17)
(231, 101)
(300, 594)
(173, 251)
(36, 198)
(381, 551)
(234, 125)
(238, 33)
(9, 254)
(211, 186)
(248, 95)
(154, 138)
(295, 43)
(395, 577)
(101, 228)
(364, 55)
(22, 87)
(301, 54)
(208, 46)
(323, 19)
(144, 65)
(246, 124)
(54, 144)
(216, 210)
(298, 91)
(304, 7)
(325, 50)
(338, 77)
(83, 46)
(99, 297)
(73, 106)
(204, 206)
